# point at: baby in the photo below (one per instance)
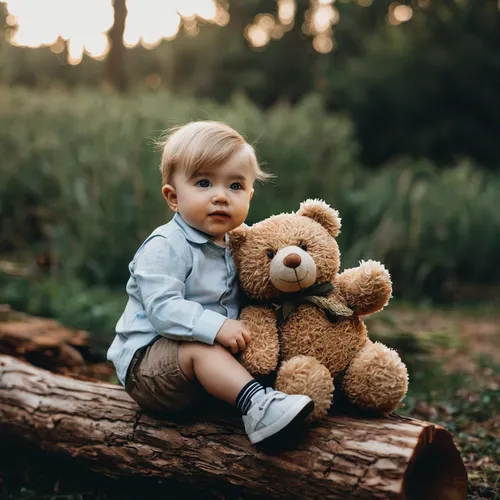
(178, 335)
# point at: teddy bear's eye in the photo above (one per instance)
(270, 253)
(303, 246)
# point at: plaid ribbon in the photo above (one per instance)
(319, 295)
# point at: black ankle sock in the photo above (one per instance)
(244, 399)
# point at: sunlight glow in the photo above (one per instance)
(319, 20)
(80, 27)
(323, 43)
(83, 24)
(221, 16)
(98, 46)
(257, 35)
(286, 11)
(399, 13)
(263, 28)
(403, 13)
(266, 27)
(324, 17)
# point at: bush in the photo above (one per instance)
(79, 184)
(434, 229)
(79, 178)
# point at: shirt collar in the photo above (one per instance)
(191, 234)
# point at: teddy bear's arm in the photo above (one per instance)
(261, 355)
(366, 288)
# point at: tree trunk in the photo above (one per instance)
(341, 457)
(116, 55)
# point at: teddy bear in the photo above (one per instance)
(305, 318)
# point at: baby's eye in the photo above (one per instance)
(203, 183)
(236, 185)
(303, 246)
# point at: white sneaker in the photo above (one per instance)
(273, 411)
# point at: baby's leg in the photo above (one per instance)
(215, 368)
(172, 376)
(266, 413)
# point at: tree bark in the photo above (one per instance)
(47, 344)
(116, 55)
(341, 457)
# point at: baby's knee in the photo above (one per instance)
(194, 349)
(192, 352)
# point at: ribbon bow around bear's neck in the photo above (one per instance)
(316, 294)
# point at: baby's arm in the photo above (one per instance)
(160, 268)
(233, 335)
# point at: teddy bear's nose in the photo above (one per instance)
(292, 260)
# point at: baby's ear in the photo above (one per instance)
(322, 213)
(237, 237)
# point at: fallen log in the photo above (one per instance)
(47, 344)
(341, 457)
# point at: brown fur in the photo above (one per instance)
(320, 212)
(261, 321)
(251, 245)
(313, 348)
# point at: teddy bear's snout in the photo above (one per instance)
(292, 260)
(292, 269)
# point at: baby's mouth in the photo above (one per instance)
(219, 213)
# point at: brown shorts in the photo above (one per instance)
(156, 382)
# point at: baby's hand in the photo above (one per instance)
(234, 335)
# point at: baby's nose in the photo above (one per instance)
(219, 197)
(292, 260)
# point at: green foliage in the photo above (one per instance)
(79, 177)
(426, 88)
(79, 183)
(432, 228)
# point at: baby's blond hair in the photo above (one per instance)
(203, 144)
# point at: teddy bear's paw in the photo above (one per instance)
(376, 379)
(367, 288)
(306, 375)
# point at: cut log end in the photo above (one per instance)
(435, 471)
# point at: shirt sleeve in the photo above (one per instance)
(161, 268)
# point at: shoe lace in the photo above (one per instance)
(267, 400)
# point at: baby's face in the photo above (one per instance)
(215, 201)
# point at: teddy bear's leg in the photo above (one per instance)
(376, 378)
(306, 375)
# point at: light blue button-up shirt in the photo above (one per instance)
(182, 286)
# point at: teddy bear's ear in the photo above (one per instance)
(321, 212)
(237, 237)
